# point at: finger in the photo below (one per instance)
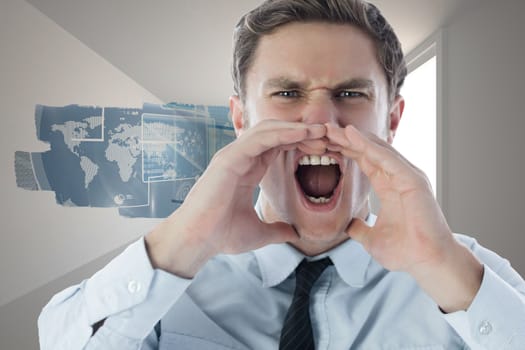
(318, 146)
(272, 134)
(336, 137)
(374, 155)
(340, 138)
(314, 131)
(382, 143)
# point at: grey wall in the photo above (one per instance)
(485, 77)
(43, 64)
(18, 318)
(39, 242)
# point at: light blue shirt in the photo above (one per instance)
(239, 302)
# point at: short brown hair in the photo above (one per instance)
(272, 14)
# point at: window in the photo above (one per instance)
(419, 136)
(417, 133)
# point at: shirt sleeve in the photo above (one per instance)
(128, 293)
(496, 317)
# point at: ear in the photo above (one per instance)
(237, 114)
(396, 111)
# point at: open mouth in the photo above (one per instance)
(318, 177)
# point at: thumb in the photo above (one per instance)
(359, 231)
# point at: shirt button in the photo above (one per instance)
(133, 286)
(485, 328)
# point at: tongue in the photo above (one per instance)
(318, 181)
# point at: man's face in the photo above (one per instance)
(316, 73)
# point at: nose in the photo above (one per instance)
(320, 108)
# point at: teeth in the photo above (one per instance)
(324, 160)
(319, 200)
(317, 160)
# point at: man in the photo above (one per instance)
(316, 108)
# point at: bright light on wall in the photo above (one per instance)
(417, 132)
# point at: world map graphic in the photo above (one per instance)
(141, 161)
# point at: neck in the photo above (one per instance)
(309, 242)
(317, 247)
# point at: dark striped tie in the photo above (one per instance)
(297, 328)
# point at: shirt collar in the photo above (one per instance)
(277, 261)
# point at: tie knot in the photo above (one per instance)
(307, 273)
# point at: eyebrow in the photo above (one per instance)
(289, 84)
(283, 83)
(359, 83)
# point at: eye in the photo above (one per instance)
(350, 94)
(287, 93)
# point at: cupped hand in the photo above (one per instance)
(410, 230)
(218, 216)
(410, 233)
